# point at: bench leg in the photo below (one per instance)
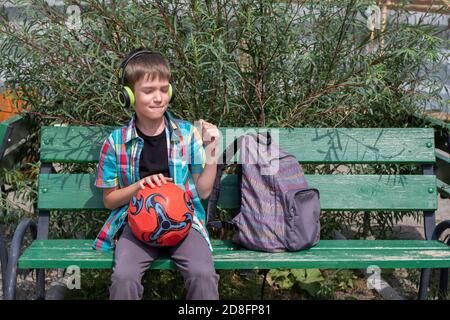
(40, 284)
(429, 226)
(265, 272)
(424, 283)
(43, 223)
(429, 218)
(443, 283)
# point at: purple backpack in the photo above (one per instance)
(278, 211)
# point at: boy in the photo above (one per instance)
(151, 149)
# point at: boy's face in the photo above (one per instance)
(152, 98)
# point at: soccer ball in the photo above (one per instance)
(161, 216)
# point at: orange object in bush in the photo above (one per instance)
(8, 108)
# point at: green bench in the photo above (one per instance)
(339, 192)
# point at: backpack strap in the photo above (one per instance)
(227, 154)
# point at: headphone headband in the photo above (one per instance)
(127, 59)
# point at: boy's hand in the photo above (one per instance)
(154, 181)
(210, 134)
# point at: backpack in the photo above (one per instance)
(278, 211)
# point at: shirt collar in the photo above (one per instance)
(170, 122)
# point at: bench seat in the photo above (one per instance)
(327, 254)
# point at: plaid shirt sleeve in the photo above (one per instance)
(197, 149)
(107, 176)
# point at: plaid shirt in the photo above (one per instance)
(119, 167)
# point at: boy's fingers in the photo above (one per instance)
(163, 179)
(199, 125)
(149, 182)
(156, 179)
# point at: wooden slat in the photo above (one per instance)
(359, 145)
(72, 143)
(308, 145)
(327, 254)
(338, 192)
(85, 245)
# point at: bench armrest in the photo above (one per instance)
(16, 244)
(3, 259)
(440, 228)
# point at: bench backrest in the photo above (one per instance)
(75, 144)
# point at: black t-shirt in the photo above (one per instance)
(153, 157)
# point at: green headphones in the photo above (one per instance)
(126, 95)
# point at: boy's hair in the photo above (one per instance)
(146, 65)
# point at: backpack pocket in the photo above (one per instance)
(302, 216)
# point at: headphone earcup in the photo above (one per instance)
(172, 92)
(126, 97)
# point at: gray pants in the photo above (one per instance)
(192, 257)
